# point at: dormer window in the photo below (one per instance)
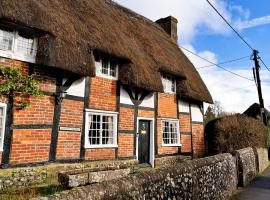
(169, 84)
(17, 45)
(107, 68)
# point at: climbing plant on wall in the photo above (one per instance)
(14, 83)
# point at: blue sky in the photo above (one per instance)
(201, 30)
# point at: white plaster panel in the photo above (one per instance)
(149, 101)
(183, 106)
(196, 113)
(77, 88)
(124, 97)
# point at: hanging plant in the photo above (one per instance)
(14, 83)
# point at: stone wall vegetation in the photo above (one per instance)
(208, 178)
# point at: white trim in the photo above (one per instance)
(178, 144)
(4, 106)
(106, 76)
(152, 139)
(87, 144)
(101, 111)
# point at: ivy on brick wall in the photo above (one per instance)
(13, 82)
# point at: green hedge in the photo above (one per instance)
(230, 133)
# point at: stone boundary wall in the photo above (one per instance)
(207, 178)
(24, 177)
(170, 160)
(261, 159)
(246, 161)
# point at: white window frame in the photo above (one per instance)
(105, 113)
(168, 79)
(15, 54)
(4, 106)
(178, 144)
(98, 65)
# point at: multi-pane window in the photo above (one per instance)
(170, 132)
(107, 67)
(102, 129)
(169, 84)
(2, 123)
(17, 45)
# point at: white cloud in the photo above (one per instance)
(253, 22)
(190, 14)
(234, 93)
(193, 15)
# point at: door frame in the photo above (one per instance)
(151, 137)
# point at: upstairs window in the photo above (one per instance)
(169, 84)
(107, 68)
(3, 108)
(170, 133)
(17, 45)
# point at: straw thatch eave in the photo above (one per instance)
(73, 29)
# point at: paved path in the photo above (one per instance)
(259, 189)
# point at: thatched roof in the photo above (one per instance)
(255, 111)
(72, 29)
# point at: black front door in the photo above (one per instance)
(144, 141)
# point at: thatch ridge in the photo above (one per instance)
(77, 27)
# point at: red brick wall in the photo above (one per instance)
(39, 111)
(184, 123)
(30, 146)
(100, 154)
(186, 143)
(198, 138)
(68, 146)
(167, 105)
(146, 113)
(185, 127)
(125, 145)
(126, 118)
(103, 94)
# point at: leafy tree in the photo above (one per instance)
(14, 83)
(214, 111)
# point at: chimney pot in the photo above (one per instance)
(169, 24)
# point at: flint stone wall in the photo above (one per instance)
(246, 166)
(28, 176)
(208, 178)
(22, 178)
(261, 158)
(170, 160)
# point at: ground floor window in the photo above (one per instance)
(101, 129)
(3, 108)
(170, 132)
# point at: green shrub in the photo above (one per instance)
(229, 133)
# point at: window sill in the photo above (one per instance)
(107, 77)
(171, 145)
(17, 56)
(101, 146)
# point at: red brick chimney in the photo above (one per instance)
(169, 24)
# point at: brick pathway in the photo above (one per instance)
(259, 189)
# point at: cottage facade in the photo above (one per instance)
(115, 84)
